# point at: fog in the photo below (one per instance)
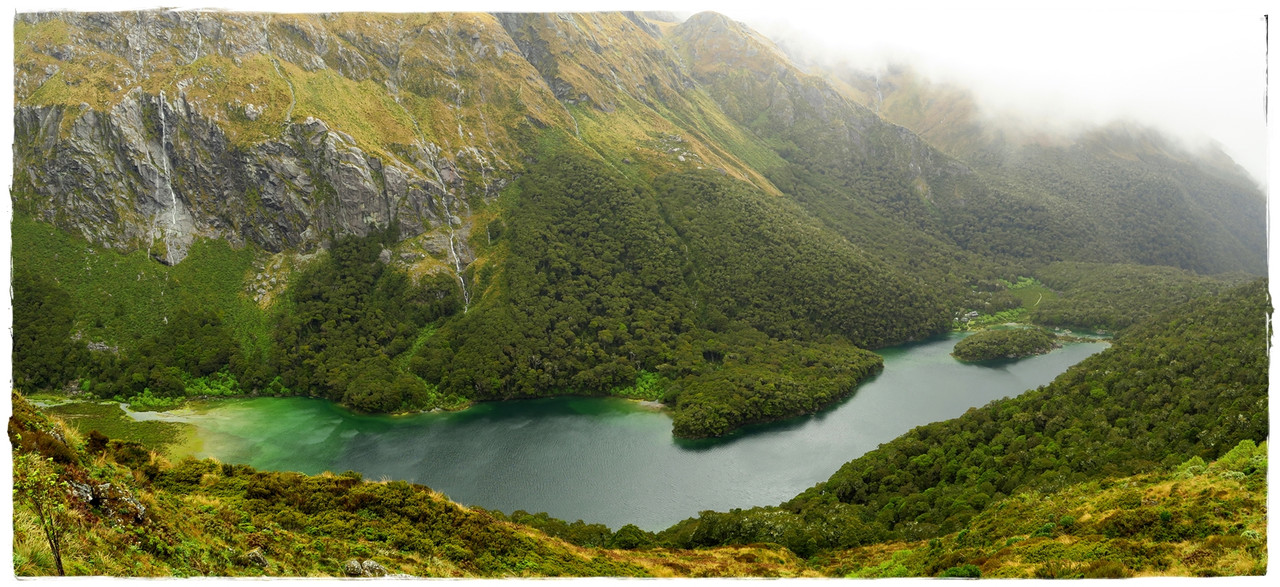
(1197, 75)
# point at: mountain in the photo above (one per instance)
(413, 211)
(1119, 173)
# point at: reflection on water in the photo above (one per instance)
(612, 460)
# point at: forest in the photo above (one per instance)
(1189, 382)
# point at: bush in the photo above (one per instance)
(1106, 570)
(964, 571)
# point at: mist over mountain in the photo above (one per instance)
(1197, 76)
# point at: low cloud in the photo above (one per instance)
(1198, 76)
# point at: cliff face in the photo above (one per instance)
(149, 129)
(154, 172)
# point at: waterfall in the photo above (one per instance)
(457, 268)
(167, 175)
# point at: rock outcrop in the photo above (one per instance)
(166, 149)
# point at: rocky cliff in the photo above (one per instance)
(149, 129)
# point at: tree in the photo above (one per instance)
(35, 481)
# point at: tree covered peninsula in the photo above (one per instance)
(1011, 343)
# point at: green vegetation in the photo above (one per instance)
(763, 261)
(44, 355)
(590, 295)
(109, 419)
(1148, 207)
(1190, 382)
(1010, 343)
(582, 534)
(610, 288)
(744, 377)
(36, 483)
(168, 333)
(1113, 297)
(133, 296)
(998, 301)
(982, 321)
(1207, 522)
(1029, 292)
(345, 321)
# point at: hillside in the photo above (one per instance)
(1114, 177)
(521, 205)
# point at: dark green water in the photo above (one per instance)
(610, 460)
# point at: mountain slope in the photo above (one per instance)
(1146, 198)
(428, 209)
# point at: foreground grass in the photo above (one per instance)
(1194, 521)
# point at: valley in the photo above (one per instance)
(418, 289)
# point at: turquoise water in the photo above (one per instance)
(609, 460)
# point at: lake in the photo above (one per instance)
(609, 460)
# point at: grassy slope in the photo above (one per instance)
(1191, 521)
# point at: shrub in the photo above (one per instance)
(965, 571)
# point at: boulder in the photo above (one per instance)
(256, 558)
(373, 569)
